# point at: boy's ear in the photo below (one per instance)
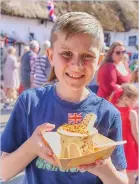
(50, 55)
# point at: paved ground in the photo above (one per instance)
(5, 114)
(5, 110)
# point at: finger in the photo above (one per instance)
(100, 162)
(49, 151)
(49, 159)
(45, 149)
(84, 167)
(46, 127)
(49, 125)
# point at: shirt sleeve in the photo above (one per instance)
(109, 79)
(115, 133)
(33, 69)
(15, 132)
(32, 61)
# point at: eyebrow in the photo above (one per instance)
(65, 47)
(91, 52)
(88, 51)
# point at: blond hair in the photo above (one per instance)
(26, 48)
(11, 50)
(45, 46)
(76, 23)
(129, 90)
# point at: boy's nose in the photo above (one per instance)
(77, 63)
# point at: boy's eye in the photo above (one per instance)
(67, 54)
(87, 57)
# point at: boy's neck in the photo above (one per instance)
(71, 95)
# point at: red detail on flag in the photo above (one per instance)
(74, 118)
(50, 7)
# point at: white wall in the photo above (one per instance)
(124, 37)
(21, 27)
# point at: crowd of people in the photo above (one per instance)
(66, 68)
(20, 73)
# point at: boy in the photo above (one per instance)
(76, 42)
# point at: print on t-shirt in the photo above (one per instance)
(42, 164)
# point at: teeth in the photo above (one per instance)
(74, 76)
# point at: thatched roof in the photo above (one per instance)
(25, 8)
(115, 15)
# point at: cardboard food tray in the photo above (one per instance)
(53, 140)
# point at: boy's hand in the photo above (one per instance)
(38, 147)
(96, 167)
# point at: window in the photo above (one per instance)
(107, 39)
(31, 36)
(132, 40)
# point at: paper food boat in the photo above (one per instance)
(103, 149)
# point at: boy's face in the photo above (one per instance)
(75, 60)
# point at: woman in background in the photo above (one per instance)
(113, 71)
(11, 74)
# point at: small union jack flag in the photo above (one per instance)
(50, 7)
(74, 118)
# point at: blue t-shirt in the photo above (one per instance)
(37, 106)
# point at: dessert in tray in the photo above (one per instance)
(77, 139)
(79, 143)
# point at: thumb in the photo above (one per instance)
(46, 127)
(49, 126)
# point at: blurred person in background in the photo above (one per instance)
(93, 84)
(126, 60)
(105, 49)
(21, 88)
(125, 100)
(2, 57)
(134, 64)
(27, 62)
(11, 74)
(112, 71)
(135, 81)
(41, 68)
(26, 49)
(135, 76)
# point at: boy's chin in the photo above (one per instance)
(76, 87)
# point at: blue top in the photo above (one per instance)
(37, 106)
(26, 68)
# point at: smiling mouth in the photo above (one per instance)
(75, 77)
